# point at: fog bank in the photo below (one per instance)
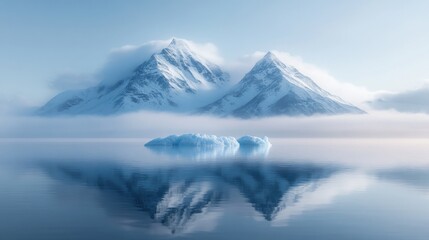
(152, 124)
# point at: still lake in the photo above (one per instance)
(297, 189)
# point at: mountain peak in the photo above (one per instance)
(271, 57)
(273, 87)
(269, 61)
(270, 54)
(178, 43)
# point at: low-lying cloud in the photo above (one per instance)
(15, 105)
(154, 124)
(412, 101)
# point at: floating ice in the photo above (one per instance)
(194, 140)
(195, 146)
(204, 140)
(254, 141)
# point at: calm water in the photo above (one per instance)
(298, 189)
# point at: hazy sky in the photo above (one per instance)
(382, 45)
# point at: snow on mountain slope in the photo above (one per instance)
(275, 88)
(168, 80)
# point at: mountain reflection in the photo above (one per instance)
(186, 199)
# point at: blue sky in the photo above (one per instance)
(381, 45)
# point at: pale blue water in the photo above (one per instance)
(299, 189)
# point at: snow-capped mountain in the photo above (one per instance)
(169, 80)
(275, 88)
(180, 79)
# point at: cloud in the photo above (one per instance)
(141, 124)
(119, 64)
(207, 50)
(239, 67)
(414, 101)
(15, 105)
(122, 61)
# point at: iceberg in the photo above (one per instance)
(249, 141)
(194, 140)
(254, 147)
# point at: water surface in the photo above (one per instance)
(298, 189)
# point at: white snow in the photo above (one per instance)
(204, 140)
(180, 79)
(177, 78)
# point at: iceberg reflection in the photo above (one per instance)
(261, 151)
(196, 152)
(211, 152)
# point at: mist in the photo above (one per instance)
(386, 124)
(412, 101)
